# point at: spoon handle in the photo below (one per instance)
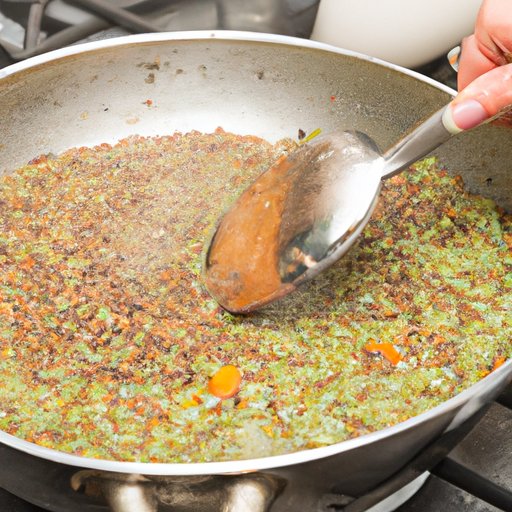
(419, 142)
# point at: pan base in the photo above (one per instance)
(397, 499)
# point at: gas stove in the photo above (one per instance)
(476, 476)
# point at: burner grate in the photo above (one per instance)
(463, 477)
(72, 21)
(477, 475)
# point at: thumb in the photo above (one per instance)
(486, 96)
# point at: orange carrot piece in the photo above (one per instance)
(385, 349)
(225, 383)
(498, 362)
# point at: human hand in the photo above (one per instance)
(485, 67)
(491, 44)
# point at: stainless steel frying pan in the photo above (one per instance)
(264, 85)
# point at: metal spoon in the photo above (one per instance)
(305, 212)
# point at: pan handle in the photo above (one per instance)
(129, 495)
(122, 492)
(253, 492)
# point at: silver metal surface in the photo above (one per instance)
(137, 493)
(12, 34)
(295, 220)
(287, 17)
(129, 494)
(117, 15)
(309, 210)
(426, 137)
(254, 84)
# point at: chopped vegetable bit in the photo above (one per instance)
(225, 383)
(385, 349)
(499, 361)
(311, 136)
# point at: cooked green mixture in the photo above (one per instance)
(109, 341)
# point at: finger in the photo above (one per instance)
(483, 98)
(493, 90)
(492, 30)
(472, 63)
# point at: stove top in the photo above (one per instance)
(477, 475)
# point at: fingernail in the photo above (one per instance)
(454, 57)
(468, 114)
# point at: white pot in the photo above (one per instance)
(409, 33)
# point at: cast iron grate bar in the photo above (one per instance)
(427, 458)
(505, 398)
(447, 468)
(466, 479)
(109, 15)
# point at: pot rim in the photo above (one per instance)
(221, 35)
(248, 465)
(504, 372)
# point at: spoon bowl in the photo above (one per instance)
(305, 212)
(293, 221)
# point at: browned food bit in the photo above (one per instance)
(108, 339)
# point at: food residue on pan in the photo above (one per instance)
(110, 346)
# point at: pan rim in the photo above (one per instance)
(220, 35)
(502, 374)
